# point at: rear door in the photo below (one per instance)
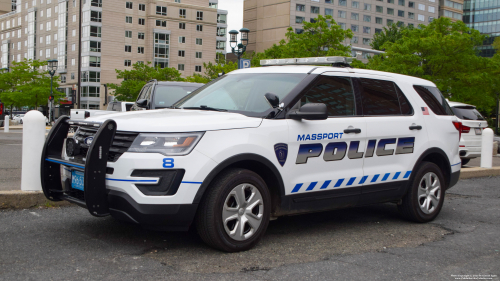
(394, 135)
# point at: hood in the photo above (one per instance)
(178, 120)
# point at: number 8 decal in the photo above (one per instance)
(168, 162)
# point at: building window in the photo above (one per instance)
(199, 15)
(181, 53)
(329, 1)
(221, 31)
(368, 7)
(161, 50)
(314, 10)
(354, 28)
(212, 5)
(90, 91)
(95, 31)
(73, 75)
(390, 11)
(367, 18)
(128, 5)
(182, 39)
(95, 16)
(142, 7)
(431, 9)
(299, 19)
(128, 48)
(162, 23)
(390, 22)
(182, 13)
(182, 25)
(128, 19)
(142, 21)
(367, 29)
(421, 7)
(299, 30)
(401, 13)
(390, 1)
(328, 12)
(180, 67)
(221, 18)
(199, 27)
(378, 20)
(160, 10)
(411, 15)
(199, 41)
(342, 14)
(140, 35)
(411, 4)
(300, 8)
(128, 33)
(366, 41)
(198, 55)
(401, 2)
(378, 30)
(140, 50)
(354, 16)
(95, 46)
(91, 76)
(431, 19)
(421, 17)
(177, 1)
(221, 45)
(379, 9)
(410, 25)
(94, 61)
(354, 40)
(342, 25)
(342, 2)
(197, 68)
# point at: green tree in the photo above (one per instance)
(391, 34)
(443, 52)
(212, 70)
(138, 76)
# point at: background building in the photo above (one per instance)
(268, 20)
(484, 16)
(115, 34)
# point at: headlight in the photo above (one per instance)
(166, 144)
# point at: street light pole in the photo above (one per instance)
(52, 64)
(238, 49)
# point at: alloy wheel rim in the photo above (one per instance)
(429, 193)
(242, 212)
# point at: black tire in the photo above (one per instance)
(209, 222)
(465, 161)
(410, 207)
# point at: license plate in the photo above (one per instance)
(77, 180)
(478, 131)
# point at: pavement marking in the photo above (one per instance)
(35, 214)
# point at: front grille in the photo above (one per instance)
(121, 142)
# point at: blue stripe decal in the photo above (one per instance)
(65, 164)
(396, 176)
(363, 180)
(407, 175)
(457, 163)
(193, 182)
(375, 177)
(131, 180)
(339, 182)
(385, 176)
(297, 187)
(311, 186)
(351, 181)
(325, 185)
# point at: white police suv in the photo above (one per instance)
(261, 143)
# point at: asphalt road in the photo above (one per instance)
(366, 243)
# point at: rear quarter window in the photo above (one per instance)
(434, 100)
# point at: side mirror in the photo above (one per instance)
(142, 103)
(272, 99)
(310, 111)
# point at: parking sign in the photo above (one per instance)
(244, 64)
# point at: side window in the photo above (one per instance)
(147, 93)
(143, 92)
(434, 99)
(405, 105)
(128, 106)
(336, 92)
(379, 97)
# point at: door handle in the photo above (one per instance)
(415, 127)
(349, 131)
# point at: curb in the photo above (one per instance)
(18, 199)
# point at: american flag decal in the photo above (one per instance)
(425, 110)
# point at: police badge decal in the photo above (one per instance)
(281, 150)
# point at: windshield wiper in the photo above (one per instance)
(204, 107)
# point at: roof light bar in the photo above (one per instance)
(307, 61)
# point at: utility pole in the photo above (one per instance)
(78, 91)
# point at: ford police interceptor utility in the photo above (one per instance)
(260, 143)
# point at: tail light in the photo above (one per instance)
(87, 114)
(458, 126)
(465, 129)
(1, 108)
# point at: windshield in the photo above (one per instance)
(114, 106)
(467, 113)
(243, 93)
(165, 96)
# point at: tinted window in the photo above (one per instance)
(335, 92)
(165, 96)
(143, 92)
(128, 106)
(467, 113)
(379, 97)
(434, 99)
(405, 105)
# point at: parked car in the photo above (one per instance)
(18, 118)
(473, 124)
(2, 114)
(162, 94)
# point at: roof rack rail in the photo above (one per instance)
(333, 61)
(153, 80)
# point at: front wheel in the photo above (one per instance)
(234, 213)
(424, 200)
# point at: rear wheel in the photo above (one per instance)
(234, 214)
(424, 200)
(465, 161)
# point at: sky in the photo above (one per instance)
(234, 17)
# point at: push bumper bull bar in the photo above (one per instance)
(94, 168)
